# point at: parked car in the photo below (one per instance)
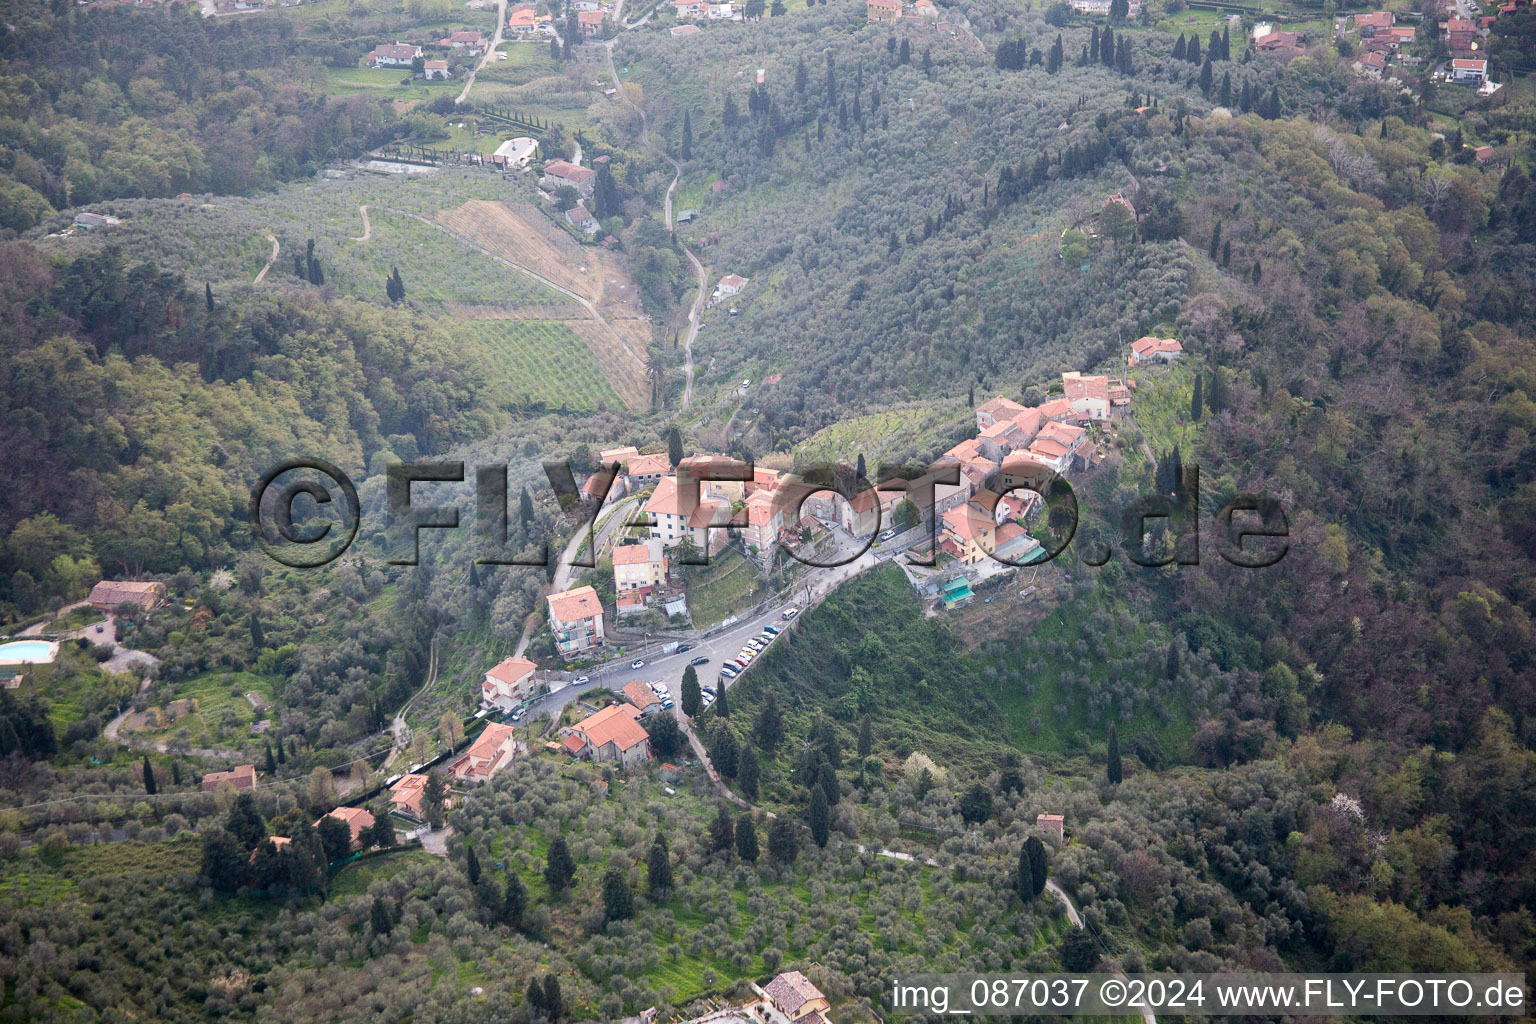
(699, 661)
(771, 628)
(681, 648)
(742, 662)
(765, 638)
(710, 690)
(666, 704)
(101, 629)
(580, 681)
(790, 613)
(726, 672)
(637, 663)
(517, 716)
(659, 689)
(888, 534)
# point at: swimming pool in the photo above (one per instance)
(23, 652)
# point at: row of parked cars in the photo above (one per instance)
(755, 646)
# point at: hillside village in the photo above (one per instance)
(972, 496)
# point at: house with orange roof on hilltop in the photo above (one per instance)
(522, 21)
(357, 820)
(576, 619)
(646, 471)
(612, 734)
(882, 11)
(494, 749)
(1147, 349)
(558, 173)
(1374, 21)
(1469, 71)
(408, 796)
(507, 684)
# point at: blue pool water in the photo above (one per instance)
(36, 651)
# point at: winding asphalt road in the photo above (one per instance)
(490, 52)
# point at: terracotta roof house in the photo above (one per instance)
(688, 8)
(576, 619)
(882, 10)
(677, 519)
(1144, 350)
(521, 21)
(1057, 410)
(108, 594)
(356, 818)
(793, 995)
(1486, 155)
(608, 456)
(1469, 71)
(1371, 63)
(409, 796)
(243, 777)
(1053, 823)
(639, 565)
(508, 684)
(492, 750)
(1374, 20)
(641, 696)
(435, 69)
(995, 410)
(590, 22)
(613, 735)
(468, 39)
(563, 172)
(1286, 44)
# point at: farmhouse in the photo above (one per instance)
(1145, 350)
(493, 750)
(562, 172)
(1285, 44)
(1088, 396)
(94, 221)
(590, 22)
(243, 777)
(522, 22)
(688, 8)
(680, 518)
(435, 70)
(108, 594)
(1052, 824)
(469, 40)
(793, 995)
(996, 409)
(730, 284)
(394, 55)
(1371, 64)
(880, 11)
(1458, 34)
(508, 684)
(578, 218)
(611, 735)
(576, 619)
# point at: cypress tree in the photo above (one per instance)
(674, 445)
(658, 874)
(820, 817)
(746, 839)
(1226, 253)
(1171, 666)
(176, 772)
(149, 776)
(1224, 96)
(800, 75)
(271, 761)
(783, 840)
(748, 772)
(1023, 876)
(693, 699)
(722, 708)
(1258, 272)
(687, 136)
(1192, 51)
(866, 742)
(1226, 43)
(554, 999)
(1113, 768)
(1197, 400)
(208, 295)
(258, 635)
(1215, 245)
(1205, 77)
(535, 994)
(379, 919)
(471, 866)
(721, 831)
(559, 868)
(1093, 43)
(1034, 849)
(515, 903)
(1178, 46)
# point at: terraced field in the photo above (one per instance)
(439, 271)
(538, 362)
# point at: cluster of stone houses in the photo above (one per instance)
(614, 733)
(562, 173)
(887, 11)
